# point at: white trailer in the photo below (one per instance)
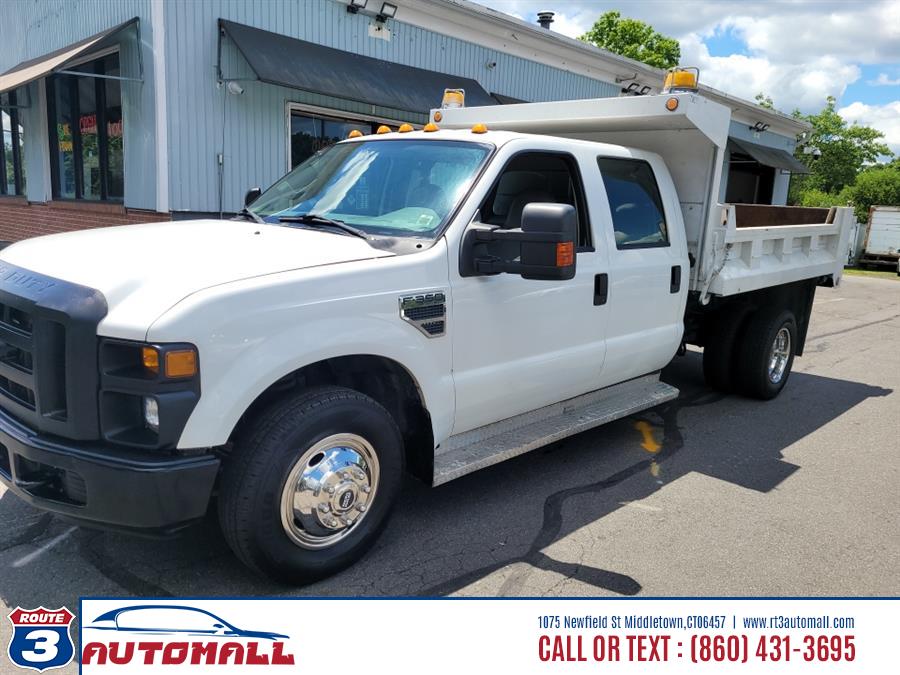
(882, 243)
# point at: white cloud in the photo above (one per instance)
(804, 86)
(796, 52)
(883, 80)
(885, 118)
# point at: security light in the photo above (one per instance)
(388, 11)
(356, 5)
(759, 127)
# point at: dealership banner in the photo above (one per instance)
(455, 636)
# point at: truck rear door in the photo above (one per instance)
(642, 229)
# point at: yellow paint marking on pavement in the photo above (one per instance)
(649, 443)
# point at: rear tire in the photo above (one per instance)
(299, 472)
(766, 353)
(719, 350)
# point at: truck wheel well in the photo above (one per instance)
(378, 377)
(700, 321)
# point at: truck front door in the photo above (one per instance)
(520, 344)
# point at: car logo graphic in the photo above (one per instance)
(171, 635)
(174, 620)
(41, 639)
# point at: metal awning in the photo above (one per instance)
(503, 99)
(33, 69)
(780, 159)
(289, 62)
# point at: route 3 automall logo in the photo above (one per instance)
(41, 638)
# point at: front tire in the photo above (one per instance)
(310, 484)
(766, 353)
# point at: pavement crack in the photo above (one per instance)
(30, 533)
(92, 547)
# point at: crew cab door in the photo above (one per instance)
(520, 344)
(648, 266)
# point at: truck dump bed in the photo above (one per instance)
(734, 249)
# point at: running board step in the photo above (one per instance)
(494, 443)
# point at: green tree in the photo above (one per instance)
(764, 101)
(840, 151)
(634, 39)
(877, 185)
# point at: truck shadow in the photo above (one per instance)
(440, 541)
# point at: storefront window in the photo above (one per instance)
(311, 133)
(12, 149)
(86, 132)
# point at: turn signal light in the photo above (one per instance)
(565, 254)
(356, 133)
(383, 129)
(431, 126)
(181, 363)
(672, 104)
(438, 115)
(150, 359)
(405, 128)
(479, 128)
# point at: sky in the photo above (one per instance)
(798, 52)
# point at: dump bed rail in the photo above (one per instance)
(750, 258)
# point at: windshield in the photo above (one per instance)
(393, 188)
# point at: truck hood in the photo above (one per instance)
(143, 270)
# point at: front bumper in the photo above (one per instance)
(105, 486)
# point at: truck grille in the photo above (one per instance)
(42, 322)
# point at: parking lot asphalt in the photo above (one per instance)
(707, 495)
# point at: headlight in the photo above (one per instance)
(151, 413)
(147, 391)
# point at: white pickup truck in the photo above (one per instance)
(436, 300)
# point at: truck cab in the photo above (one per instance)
(436, 300)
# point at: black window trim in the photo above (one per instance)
(635, 246)
(53, 81)
(580, 194)
(333, 115)
(18, 173)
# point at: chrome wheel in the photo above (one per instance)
(779, 355)
(329, 491)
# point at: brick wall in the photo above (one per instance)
(20, 219)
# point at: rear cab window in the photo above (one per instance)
(638, 217)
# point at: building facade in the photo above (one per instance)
(136, 110)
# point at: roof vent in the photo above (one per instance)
(545, 19)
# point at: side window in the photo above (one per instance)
(536, 177)
(639, 220)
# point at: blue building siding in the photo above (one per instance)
(36, 28)
(255, 137)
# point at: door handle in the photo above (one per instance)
(675, 281)
(601, 289)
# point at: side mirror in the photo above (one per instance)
(546, 245)
(252, 195)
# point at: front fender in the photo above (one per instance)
(253, 333)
